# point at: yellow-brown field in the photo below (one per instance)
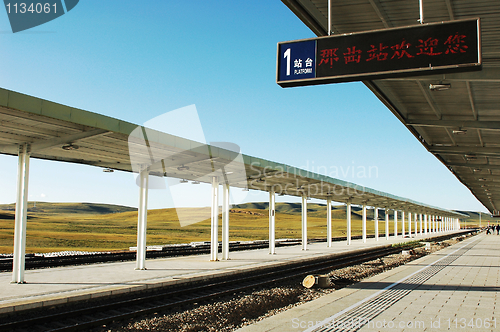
(57, 230)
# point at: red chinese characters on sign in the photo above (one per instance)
(427, 47)
(328, 56)
(401, 50)
(352, 55)
(456, 44)
(377, 53)
(404, 50)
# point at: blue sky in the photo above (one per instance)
(135, 60)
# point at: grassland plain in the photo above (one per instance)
(102, 227)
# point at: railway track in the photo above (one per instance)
(39, 261)
(95, 314)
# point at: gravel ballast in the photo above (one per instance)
(239, 309)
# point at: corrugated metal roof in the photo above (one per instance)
(460, 126)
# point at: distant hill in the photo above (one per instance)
(292, 208)
(313, 209)
(339, 211)
(474, 216)
(84, 208)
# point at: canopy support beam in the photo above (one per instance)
(403, 224)
(386, 223)
(142, 221)
(363, 226)
(348, 219)
(395, 223)
(329, 222)
(304, 222)
(18, 262)
(225, 221)
(214, 239)
(272, 222)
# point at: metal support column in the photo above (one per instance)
(421, 7)
(415, 224)
(304, 222)
(329, 222)
(395, 223)
(363, 226)
(421, 224)
(272, 222)
(403, 223)
(225, 221)
(214, 238)
(425, 224)
(329, 17)
(348, 219)
(375, 212)
(409, 223)
(386, 223)
(18, 260)
(142, 222)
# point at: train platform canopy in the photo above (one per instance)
(456, 116)
(33, 127)
(51, 131)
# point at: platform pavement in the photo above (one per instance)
(460, 293)
(53, 286)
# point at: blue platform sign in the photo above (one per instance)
(298, 60)
(399, 52)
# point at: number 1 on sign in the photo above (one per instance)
(287, 55)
